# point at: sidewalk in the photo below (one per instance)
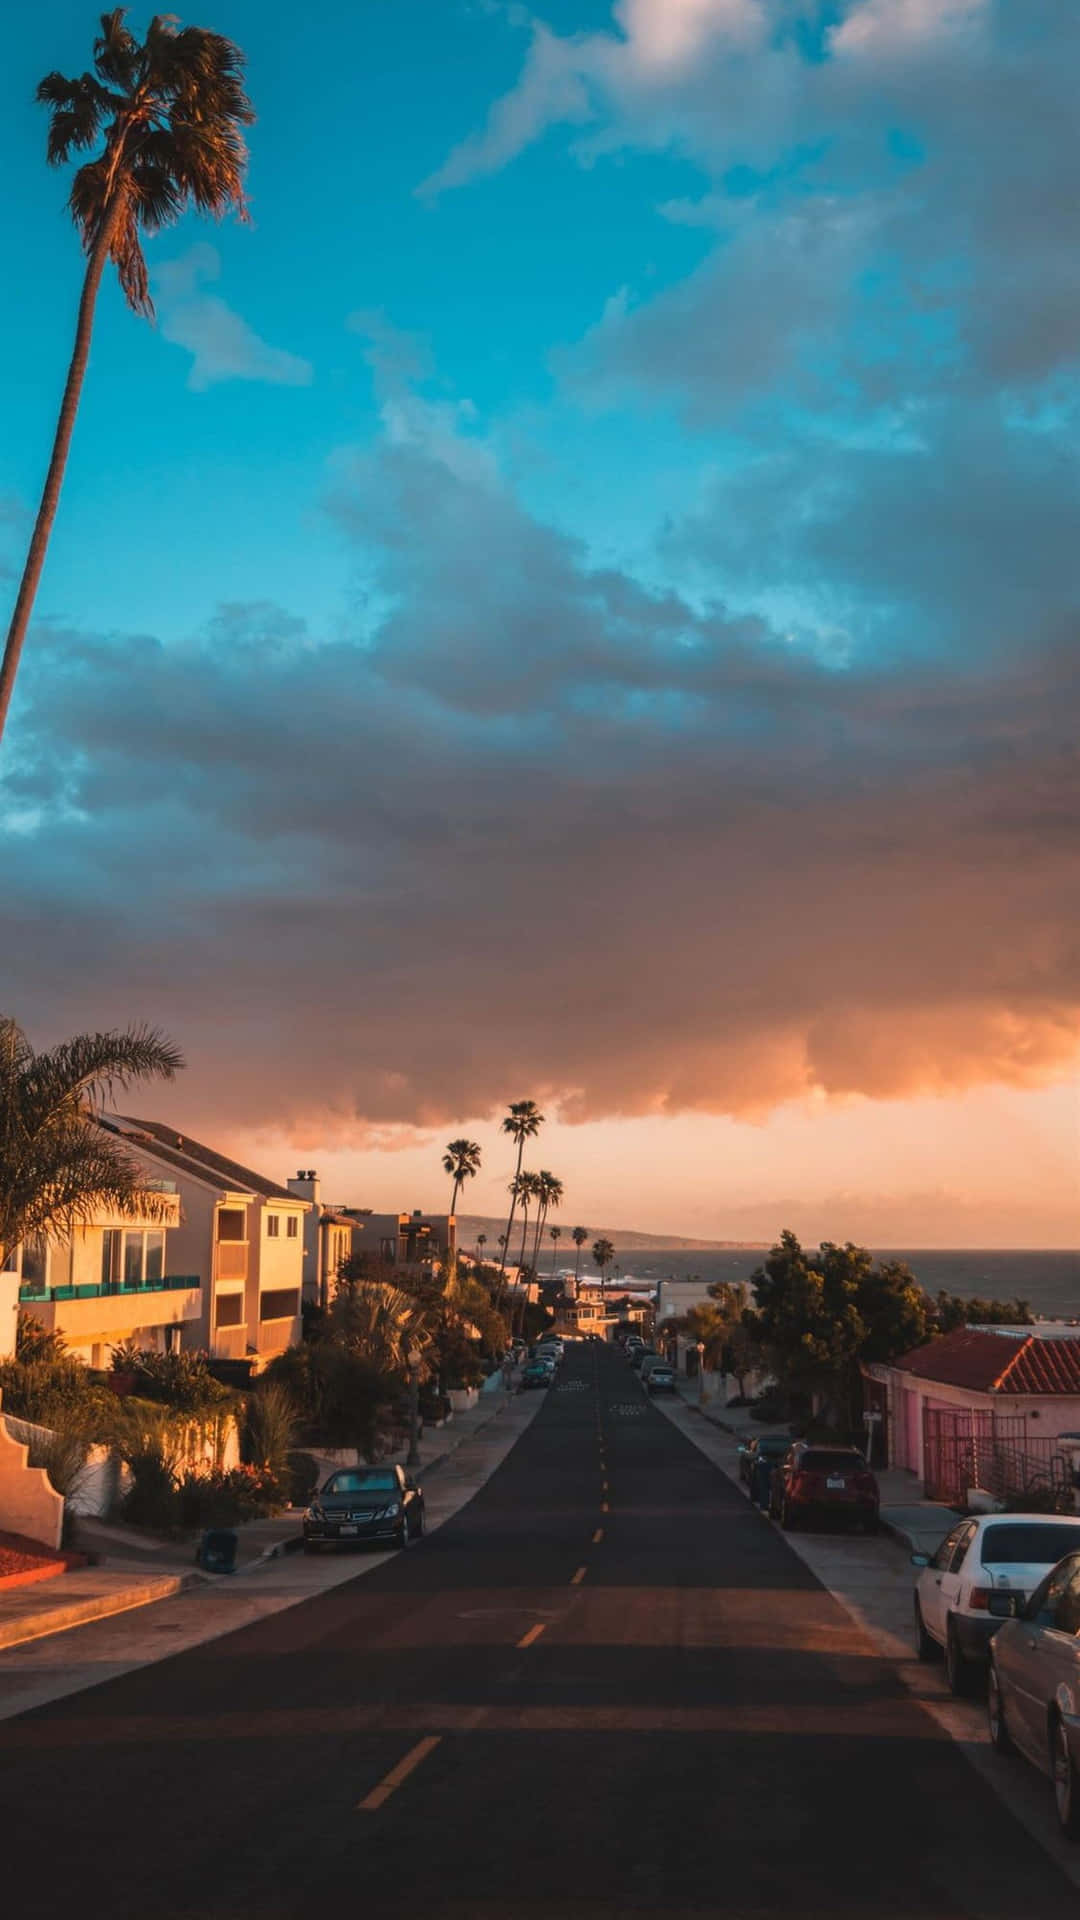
(918, 1524)
(134, 1569)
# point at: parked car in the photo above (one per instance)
(763, 1446)
(660, 1378)
(553, 1347)
(996, 1552)
(824, 1483)
(1033, 1685)
(537, 1374)
(640, 1355)
(357, 1505)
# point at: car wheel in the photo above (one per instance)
(1000, 1737)
(1066, 1786)
(421, 1524)
(787, 1517)
(404, 1538)
(957, 1670)
(872, 1523)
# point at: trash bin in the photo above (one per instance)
(218, 1550)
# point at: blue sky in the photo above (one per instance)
(578, 596)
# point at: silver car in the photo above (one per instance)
(1033, 1689)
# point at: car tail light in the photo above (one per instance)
(979, 1599)
(803, 1482)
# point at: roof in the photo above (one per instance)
(335, 1217)
(179, 1150)
(985, 1363)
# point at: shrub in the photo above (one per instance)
(182, 1381)
(269, 1427)
(33, 1342)
(227, 1499)
(62, 1453)
(303, 1472)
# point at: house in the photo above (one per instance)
(414, 1239)
(112, 1280)
(980, 1407)
(239, 1232)
(331, 1236)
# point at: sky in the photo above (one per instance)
(576, 599)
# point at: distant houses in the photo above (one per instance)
(227, 1267)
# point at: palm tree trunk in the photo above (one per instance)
(524, 1232)
(541, 1216)
(513, 1205)
(50, 497)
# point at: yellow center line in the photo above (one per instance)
(533, 1634)
(378, 1795)
(578, 1577)
(598, 1536)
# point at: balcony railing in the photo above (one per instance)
(107, 1289)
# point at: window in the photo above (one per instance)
(292, 1227)
(133, 1259)
(946, 1550)
(1016, 1543)
(1067, 1618)
(280, 1303)
(967, 1535)
(273, 1225)
(143, 1258)
(229, 1311)
(110, 1258)
(231, 1223)
(1045, 1601)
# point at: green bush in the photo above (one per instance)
(268, 1429)
(303, 1478)
(182, 1381)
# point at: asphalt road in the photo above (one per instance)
(606, 1688)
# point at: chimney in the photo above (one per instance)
(306, 1186)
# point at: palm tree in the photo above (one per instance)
(579, 1237)
(58, 1167)
(527, 1185)
(168, 114)
(555, 1235)
(379, 1322)
(481, 1243)
(603, 1253)
(549, 1192)
(462, 1161)
(522, 1122)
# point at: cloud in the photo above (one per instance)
(538, 825)
(892, 26)
(223, 346)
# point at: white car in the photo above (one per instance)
(993, 1553)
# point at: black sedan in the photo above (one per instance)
(361, 1504)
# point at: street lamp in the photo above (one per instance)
(700, 1351)
(413, 1362)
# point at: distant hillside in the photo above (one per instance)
(626, 1239)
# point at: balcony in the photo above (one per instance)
(231, 1260)
(95, 1311)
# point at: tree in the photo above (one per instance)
(951, 1310)
(481, 1243)
(462, 1161)
(522, 1122)
(528, 1189)
(603, 1253)
(58, 1166)
(548, 1193)
(555, 1235)
(579, 1237)
(169, 114)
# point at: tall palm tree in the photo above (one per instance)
(579, 1237)
(527, 1185)
(522, 1122)
(169, 114)
(58, 1167)
(555, 1235)
(481, 1243)
(549, 1193)
(462, 1161)
(379, 1321)
(603, 1253)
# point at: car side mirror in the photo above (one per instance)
(920, 1559)
(1004, 1606)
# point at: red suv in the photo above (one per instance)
(830, 1482)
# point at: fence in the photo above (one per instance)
(963, 1448)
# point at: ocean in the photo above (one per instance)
(1050, 1282)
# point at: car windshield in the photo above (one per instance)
(1034, 1542)
(818, 1460)
(361, 1483)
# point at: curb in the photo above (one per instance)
(292, 1543)
(77, 1613)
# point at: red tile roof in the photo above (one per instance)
(997, 1362)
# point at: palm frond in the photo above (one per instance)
(117, 54)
